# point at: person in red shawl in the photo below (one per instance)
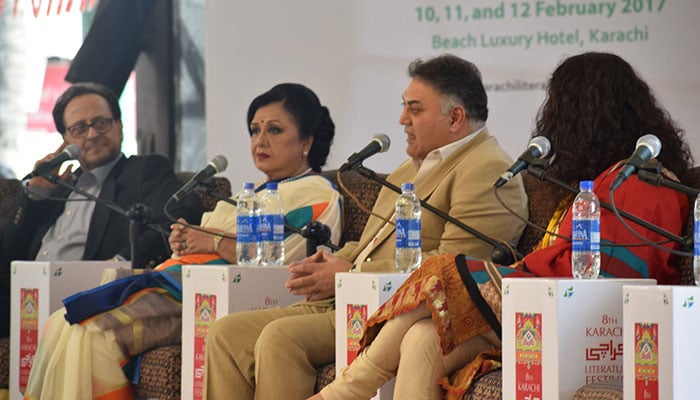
(596, 109)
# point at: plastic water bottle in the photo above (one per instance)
(585, 233)
(696, 241)
(248, 220)
(271, 226)
(408, 250)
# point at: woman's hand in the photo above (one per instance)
(184, 240)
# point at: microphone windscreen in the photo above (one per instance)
(73, 151)
(383, 140)
(543, 144)
(220, 163)
(652, 143)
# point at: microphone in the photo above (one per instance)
(379, 144)
(538, 147)
(216, 165)
(648, 146)
(70, 152)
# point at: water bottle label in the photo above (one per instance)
(585, 235)
(696, 237)
(414, 233)
(407, 233)
(271, 227)
(247, 229)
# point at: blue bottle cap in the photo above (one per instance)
(407, 187)
(272, 185)
(585, 185)
(248, 185)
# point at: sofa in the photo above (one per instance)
(160, 367)
(9, 190)
(160, 371)
(489, 386)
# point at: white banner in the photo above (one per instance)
(354, 54)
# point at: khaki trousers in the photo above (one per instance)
(269, 354)
(408, 347)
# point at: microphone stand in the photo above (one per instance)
(138, 215)
(316, 233)
(538, 169)
(650, 173)
(500, 254)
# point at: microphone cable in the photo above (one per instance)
(539, 170)
(357, 201)
(198, 228)
(646, 242)
(222, 235)
(98, 201)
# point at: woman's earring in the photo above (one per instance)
(306, 153)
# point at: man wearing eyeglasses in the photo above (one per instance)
(53, 223)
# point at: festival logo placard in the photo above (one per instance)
(29, 332)
(204, 317)
(528, 356)
(356, 317)
(646, 361)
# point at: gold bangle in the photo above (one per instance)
(217, 242)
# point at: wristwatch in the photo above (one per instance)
(217, 242)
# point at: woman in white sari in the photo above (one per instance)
(91, 357)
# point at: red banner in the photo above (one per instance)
(54, 85)
(57, 7)
(528, 356)
(356, 317)
(28, 333)
(646, 361)
(204, 317)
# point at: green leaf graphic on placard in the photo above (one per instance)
(569, 292)
(689, 302)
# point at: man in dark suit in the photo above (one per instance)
(53, 223)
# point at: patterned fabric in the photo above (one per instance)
(145, 313)
(482, 365)
(9, 189)
(605, 390)
(461, 293)
(217, 184)
(439, 284)
(324, 376)
(4, 362)
(487, 387)
(660, 206)
(365, 190)
(307, 198)
(160, 373)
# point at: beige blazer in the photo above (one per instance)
(461, 186)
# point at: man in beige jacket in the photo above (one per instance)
(273, 354)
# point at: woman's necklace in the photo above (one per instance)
(291, 178)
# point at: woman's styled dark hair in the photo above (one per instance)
(80, 89)
(596, 109)
(312, 118)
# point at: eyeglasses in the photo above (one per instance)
(100, 125)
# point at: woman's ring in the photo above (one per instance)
(183, 245)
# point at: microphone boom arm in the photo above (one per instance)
(138, 214)
(538, 169)
(498, 246)
(303, 232)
